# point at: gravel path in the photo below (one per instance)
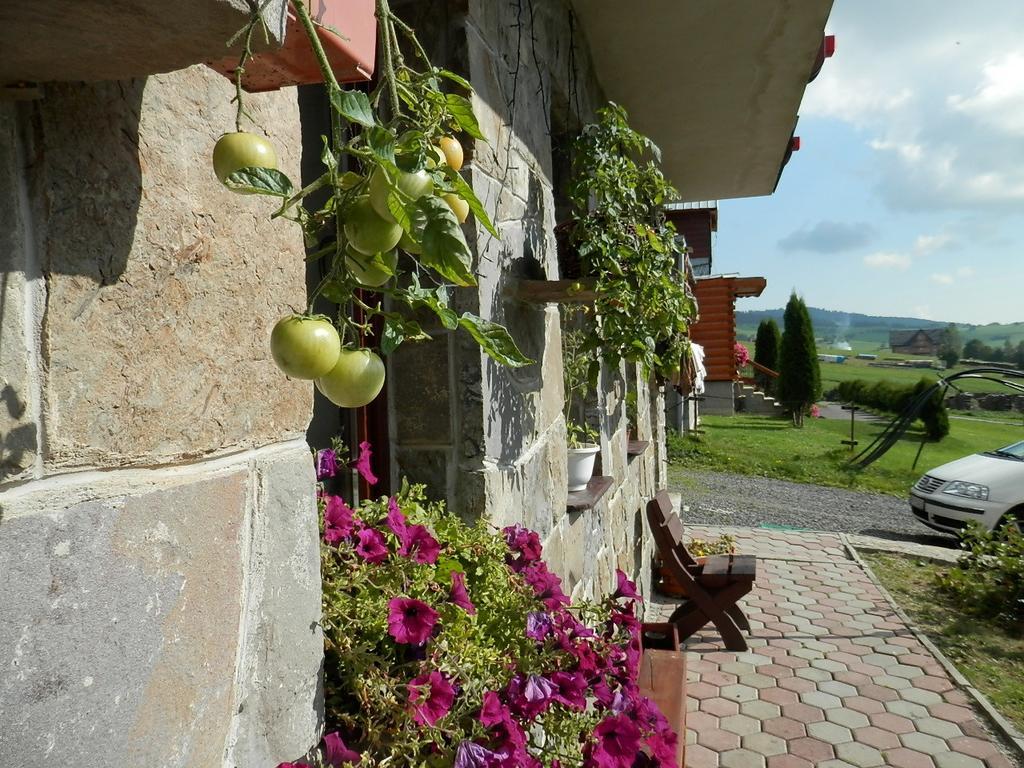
(721, 498)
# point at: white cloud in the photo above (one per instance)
(887, 260)
(923, 311)
(965, 272)
(942, 279)
(999, 100)
(925, 244)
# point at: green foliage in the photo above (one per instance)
(951, 347)
(579, 373)
(799, 384)
(620, 232)
(387, 134)
(896, 398)
(766, 353)
(988, 579)
(580, 435)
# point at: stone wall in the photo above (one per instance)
(158, 541)
(491, 440)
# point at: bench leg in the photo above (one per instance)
(738, 616)
(690, 618)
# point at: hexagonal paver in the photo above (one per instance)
(847, 717)
(951, 712)
(891, 681)
(906, 709)
(811, 749)
(863, 705)
(760, 710)
(788, 761)
(765, 744)
(941, 728)
(738, 668)
(919, 696)
(811, 673)
(879, 660)
(835, 764)
(701, 690)
(720, 707)
(821, 700)
(922, 742)
(860, 755)
(830, 732)
(899, 758)
(741, 758)
(784, 727)
(956, 760)
(701, 757)
(741, 725)
(780, 696)
(738, 693)
(718, 740)
(892, 723)
(876, 737)
(842, 690)
(974, 747)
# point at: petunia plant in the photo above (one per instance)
(449, 644)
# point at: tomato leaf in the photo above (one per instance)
(354, 106)
(261, 181)
(327, 156)
(461, 109)
(457, 79)
(382, 142)
(393, 336)
(436, 301)
(495, 340)
(463, 190)
(444, 246)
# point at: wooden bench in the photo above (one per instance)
(713, 585)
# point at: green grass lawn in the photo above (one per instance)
(986, 653)
(834, 373)
(771, 447)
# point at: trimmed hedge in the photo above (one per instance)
(894, 398)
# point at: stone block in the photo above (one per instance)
(427, 466)
(96, 40)
(279, 695)
(119, 625)
(421, 391)
(19, 282)
(162, 284)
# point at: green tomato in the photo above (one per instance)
(409, 245)
(413, 185)
(459, 206)
(452, 150)
(304, 347)
(234, 151)
(355, 380)
(366, 231)
(367, 270)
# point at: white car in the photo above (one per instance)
(985, 488)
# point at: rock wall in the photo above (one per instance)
(492, 440)
(158, 540)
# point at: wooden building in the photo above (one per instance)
(919, 342)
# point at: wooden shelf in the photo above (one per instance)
(555, 291)
(636, 447)
(598, 486)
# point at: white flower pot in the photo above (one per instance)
(581, 466)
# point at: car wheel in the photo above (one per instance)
(1014, 517)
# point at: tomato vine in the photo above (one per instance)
(406, 196)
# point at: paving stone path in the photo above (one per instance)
(834, 678)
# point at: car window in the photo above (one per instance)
(1016, 450)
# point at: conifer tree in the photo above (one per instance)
(766, 352)
(800, 378)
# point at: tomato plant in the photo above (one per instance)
(391, 167)
(238, 150)
(305, 347)
(354, 380)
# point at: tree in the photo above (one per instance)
(975, 349)
(766, 352)
(951, 347)
(799, 383)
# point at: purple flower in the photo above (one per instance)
(546, 585)
(538, 625)
(337, 753)
(492, 711)
(410, 621)
(459, 595)
(472, 755)
(430, 698)
(421, 545)
(338, 520)
(617, 742)
(396, 520)
(523, 541)
(626, 587)
(371, 546)
(293, 765)
(530, 696)
(363, 463)
(571, 689)
(326, 463)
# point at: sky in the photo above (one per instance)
(906, 197)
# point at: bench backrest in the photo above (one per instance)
(660, 509)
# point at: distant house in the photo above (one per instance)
(919, 342)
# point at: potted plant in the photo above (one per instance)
(582, 440)
(633, 431)
(578, 366)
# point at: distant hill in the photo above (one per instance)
(871, 331)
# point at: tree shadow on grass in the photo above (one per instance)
(767, 425)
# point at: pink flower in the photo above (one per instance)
(626, 588)
(371, 546)
(523, 541)
(546, 585)
(459, 595)
(338, 520)
(472, 755)
(396, 520)
(430, 698)
(815, 412)
(538, 625)
(617, 742)
(410, 621)
(337, 753)
(508, 736)
(421, 545)
(293, 765)
(363, 463)
(531, 695)
(742, 355)
(326, 464)
(572, 689)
